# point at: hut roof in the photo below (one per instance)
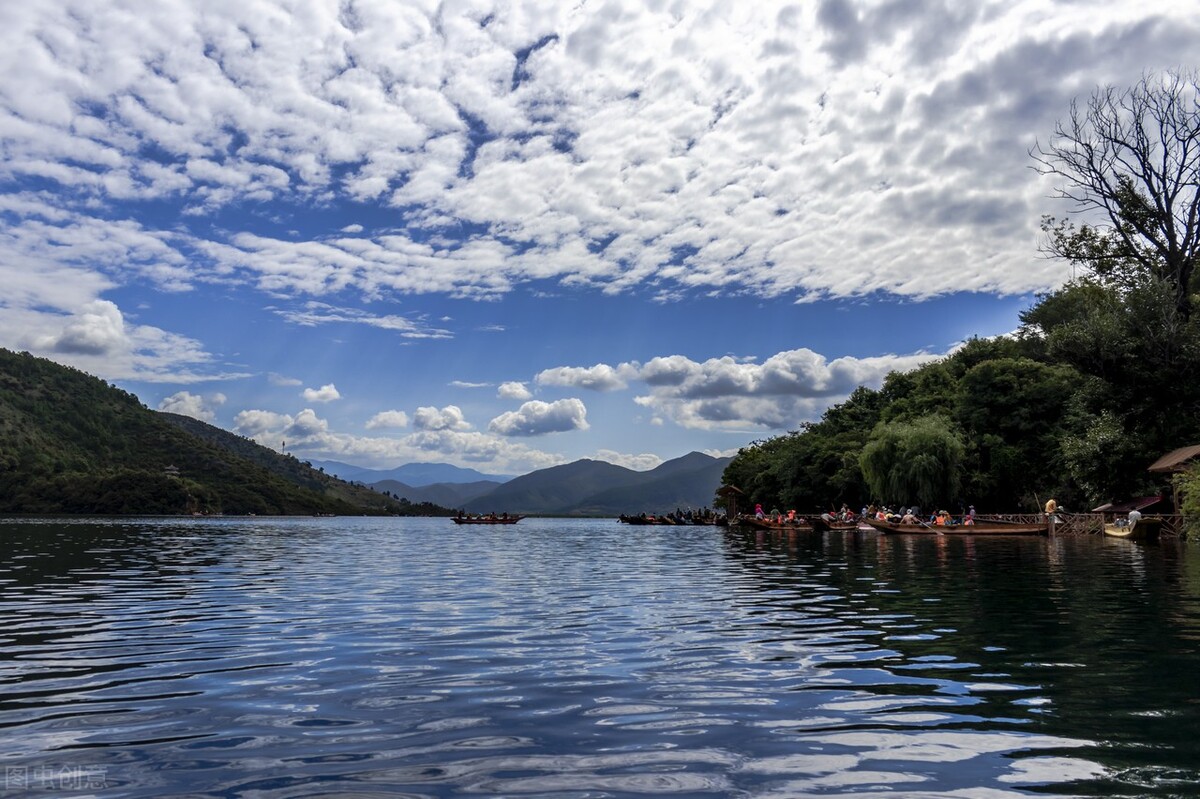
(1175, 460)
(1125, 507)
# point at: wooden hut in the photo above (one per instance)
(1173, 462)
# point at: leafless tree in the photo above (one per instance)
(1133, 155)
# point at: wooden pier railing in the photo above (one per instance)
(1090, 523)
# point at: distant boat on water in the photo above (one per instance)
(490, 519)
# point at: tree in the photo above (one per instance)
(920, 460)
(1134, 156)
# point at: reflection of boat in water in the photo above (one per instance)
(979, 528)
(823, 525)
(710, 520)
(1144, 530)
(505, 519)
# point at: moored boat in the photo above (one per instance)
(978, 528)
(505, 519)
(754, 523)
(1144, 530)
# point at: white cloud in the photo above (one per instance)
(282, 380)
(600, 377)
(196, 406)
(788, 388)
(318, 313)
(536, 418)
(257, 423)
(309, 435)
(840, 149)
(98, 329)
(388, 419)
(639, 463)
(432, 419)
(326, 393)
(513, 390)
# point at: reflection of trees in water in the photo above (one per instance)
(1084, 637)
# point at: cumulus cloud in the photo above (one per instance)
(433, 419)
(788, 388)
(513, 390)
(98, 329)
(536, 418)
(308, 434)
(196, 406)
(326, 393)
(600, 377)
(388, 419)
(256, 423)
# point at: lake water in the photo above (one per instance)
(584, 658)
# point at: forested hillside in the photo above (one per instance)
(71, 443)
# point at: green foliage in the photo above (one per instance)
(1187, 483)
(70, 443)
(920, 459)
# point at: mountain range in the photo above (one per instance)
(410, 474)
(581, 488)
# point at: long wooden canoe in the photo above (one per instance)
(1144, 530)
(486, 519)
(979, 528)
(752, 523)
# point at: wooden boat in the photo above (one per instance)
(486, 519)
(1144, 530)
(754, 523)
(979, 528)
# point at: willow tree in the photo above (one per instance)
(917, 460)
(1130, 158)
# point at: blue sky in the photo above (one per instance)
(507, 235)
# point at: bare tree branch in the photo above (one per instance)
(1133, 156)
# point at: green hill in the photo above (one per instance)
(71, 443)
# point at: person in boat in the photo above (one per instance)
(1135, 516)
(758, 511)
(908, 517)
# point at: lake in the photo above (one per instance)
(372, 657)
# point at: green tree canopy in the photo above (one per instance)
(918, 460)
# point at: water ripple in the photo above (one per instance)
(385, 657)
